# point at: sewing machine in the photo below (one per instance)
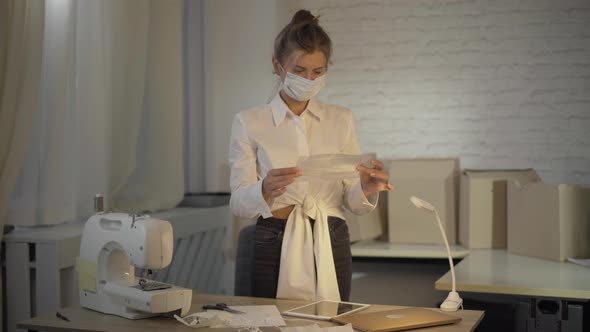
(112, 245)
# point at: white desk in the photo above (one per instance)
(82, 319)
(374, 248)
(498, 272)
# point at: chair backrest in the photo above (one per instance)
(245, 261)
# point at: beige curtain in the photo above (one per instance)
(21, 49)
(147, 157)
(111, 111)
(21, 44)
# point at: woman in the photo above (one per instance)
(302, 248)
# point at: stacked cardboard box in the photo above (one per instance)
(433, 180)
(509, 209)
(482, 208)
(549, 221)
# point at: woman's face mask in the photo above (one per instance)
(300, 88)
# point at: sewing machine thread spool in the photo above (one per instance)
(98, 203)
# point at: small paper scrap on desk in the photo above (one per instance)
(316, 328)
(580, 261)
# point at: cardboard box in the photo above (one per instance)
(433, 180)
(368, 226)
(482, 207)
(549, 221)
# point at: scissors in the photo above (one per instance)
(222, 307)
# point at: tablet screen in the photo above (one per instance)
(327, 309)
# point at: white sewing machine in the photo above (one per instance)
(112, 245)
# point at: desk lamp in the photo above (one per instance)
(453, 301)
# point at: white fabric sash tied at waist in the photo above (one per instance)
(304, 247)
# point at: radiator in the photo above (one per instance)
(200, 250)
(39, 265)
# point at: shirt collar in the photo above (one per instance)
(315, 108)
(280, 109)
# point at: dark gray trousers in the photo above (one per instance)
(267, 255)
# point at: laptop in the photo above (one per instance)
(396, 319)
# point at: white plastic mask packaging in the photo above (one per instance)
(215, 320)
(253, 318)
(333, 166)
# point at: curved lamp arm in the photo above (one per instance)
(453, 301)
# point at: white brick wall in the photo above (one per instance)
(501, 84)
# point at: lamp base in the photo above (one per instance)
(452, 303)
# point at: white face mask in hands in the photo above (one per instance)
(300, 88)
(333, 166)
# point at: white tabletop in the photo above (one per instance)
(46, 233)
(498, 272)
(374, 248)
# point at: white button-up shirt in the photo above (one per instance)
(271, 136)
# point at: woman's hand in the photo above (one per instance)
(276, 181)
(374, 180)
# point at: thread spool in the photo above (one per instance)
(98, 203)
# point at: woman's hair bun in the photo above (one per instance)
(303, 16)
(302, 33)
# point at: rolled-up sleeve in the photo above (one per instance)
(354, 197)
(246, 199)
